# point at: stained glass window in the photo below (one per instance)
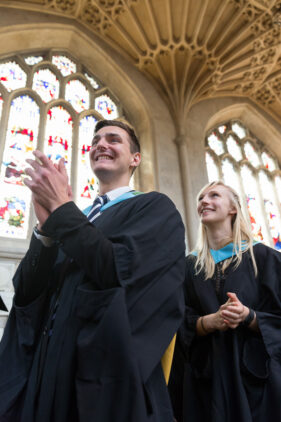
(230, 175)
(87, 185)
(278, 187)
(251, 154)
(238, 130)
(64, 64)
(12, 76)
(58, 140)
(215, 143)
(54, 128)
(260, 188)
(92, 81)
(212, 169)
(106, 107)
(222, 129)
(271, 209)
(254, 204)
(46, 84)
(78, 95)
(31, 60)
(234, 148)
(21, 140)
(268, 161)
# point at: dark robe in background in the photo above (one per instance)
(3, 307)
(235, 375)
(93, 315)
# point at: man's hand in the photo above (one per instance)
(48, 183)
(41, 213)
(235, 312)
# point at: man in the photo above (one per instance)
(97, 299)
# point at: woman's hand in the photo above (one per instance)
(235, 312)
(209, 323)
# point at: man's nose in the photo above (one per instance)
(102, 144)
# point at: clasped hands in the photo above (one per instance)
(49, 185)
(230, 314)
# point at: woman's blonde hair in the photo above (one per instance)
(242, 238)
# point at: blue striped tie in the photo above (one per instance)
(97, 204)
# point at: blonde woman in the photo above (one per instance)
(227, 363)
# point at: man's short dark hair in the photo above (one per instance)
(134, 142)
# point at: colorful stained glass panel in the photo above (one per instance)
(106, 107)
(31, 60)
(12, 76)
(238, 130)
(14, 211)
(271, 208)
(21, 138)
(87, 184)
(234, 148)
(78, 95)
(64, 64)
(251, 154)
(58, 141)
(212, 169)
(46, 84)
(92, 81)
(215, 143)
(253, 204)
(268, 161)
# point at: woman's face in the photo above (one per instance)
(214, 205)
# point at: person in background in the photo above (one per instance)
(227, 362)
(98, 297)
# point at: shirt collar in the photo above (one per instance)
(114, 193)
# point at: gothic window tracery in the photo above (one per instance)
(234, 155)
(51, 102)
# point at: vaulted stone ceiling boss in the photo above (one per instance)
(190, 49)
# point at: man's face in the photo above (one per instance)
(110, 154)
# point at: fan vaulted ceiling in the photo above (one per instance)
(190, 49)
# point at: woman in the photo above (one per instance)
(227, 362)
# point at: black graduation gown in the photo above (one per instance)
(233, 375)
(119, 305)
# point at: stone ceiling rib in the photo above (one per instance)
(189, 49)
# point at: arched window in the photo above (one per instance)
(236, 156)
(51, 102)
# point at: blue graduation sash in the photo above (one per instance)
(226, 252)
(123, 197)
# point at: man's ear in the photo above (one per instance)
(136, 159)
